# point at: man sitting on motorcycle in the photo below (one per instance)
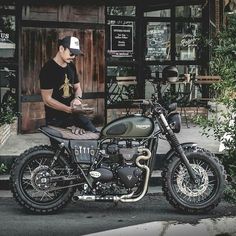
(61, 91)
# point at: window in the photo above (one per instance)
(172, 38)
(158, 13)
(192, 11)
(187, 35)
(7, 36)
(162, 34)
(158, 41)
(121, 10)
(8, 58)
(121, 67)
(120, 40)
(8, 84)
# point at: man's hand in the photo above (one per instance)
(76, 130)
(76, 105)
(75, 102)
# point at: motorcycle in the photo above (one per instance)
(116, 165)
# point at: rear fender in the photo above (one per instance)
(185, 146)
(56, 139)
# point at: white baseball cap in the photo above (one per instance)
(72, 43)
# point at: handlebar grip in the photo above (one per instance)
(146, 102)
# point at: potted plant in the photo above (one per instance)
(8, 119)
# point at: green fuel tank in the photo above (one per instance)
(129, 126)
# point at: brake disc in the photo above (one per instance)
(40, 178)
(187, 187)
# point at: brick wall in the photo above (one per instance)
(193, 111)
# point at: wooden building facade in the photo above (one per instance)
(118, 39)
(39, 42)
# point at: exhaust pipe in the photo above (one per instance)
(127, 197)
(92, 198)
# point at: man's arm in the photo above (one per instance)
(51, 102)
(78, 90)
(78, 95)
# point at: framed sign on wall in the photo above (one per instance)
(121, 40)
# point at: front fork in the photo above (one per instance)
(174, 142)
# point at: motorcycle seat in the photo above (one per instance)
(65, 133)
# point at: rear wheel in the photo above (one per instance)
(191, 197)
(32, 180)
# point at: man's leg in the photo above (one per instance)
(77, 120)
(84, 122)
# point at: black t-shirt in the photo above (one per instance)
(61, 80)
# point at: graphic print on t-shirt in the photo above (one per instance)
(66, 88)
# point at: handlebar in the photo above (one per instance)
(154, 104)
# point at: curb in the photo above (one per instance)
(208, 226)
(4, 182)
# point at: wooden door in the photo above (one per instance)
(40, 44)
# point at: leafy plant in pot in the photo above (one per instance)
(8, 116)
(8, 111)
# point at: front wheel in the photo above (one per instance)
(32, 180)
(191, 197)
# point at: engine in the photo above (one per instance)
(117, 168)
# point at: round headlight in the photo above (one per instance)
(174, 121)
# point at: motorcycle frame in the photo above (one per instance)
(164, 128)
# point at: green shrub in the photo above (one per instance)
(3, 168)
(223, 63)
(8, 113)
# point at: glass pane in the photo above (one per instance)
(192, 70)
(194, 11)
(7, 36)
(187, 35)
(169, 92)
(213, 11)
(187, 69)
(121, 71)
(121, 41)
(158, 13)
(121, 10)
(8, 86)
(7, 7)
(153, 73)
(158, 41)
(121, 84)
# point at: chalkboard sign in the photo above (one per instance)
(121, 39)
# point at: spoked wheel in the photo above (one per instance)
(192, 197)
(36, 182)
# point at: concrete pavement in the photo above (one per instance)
(207, 227)
(151, 215)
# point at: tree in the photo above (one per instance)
(223, 63)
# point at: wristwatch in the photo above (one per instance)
(78, 97)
